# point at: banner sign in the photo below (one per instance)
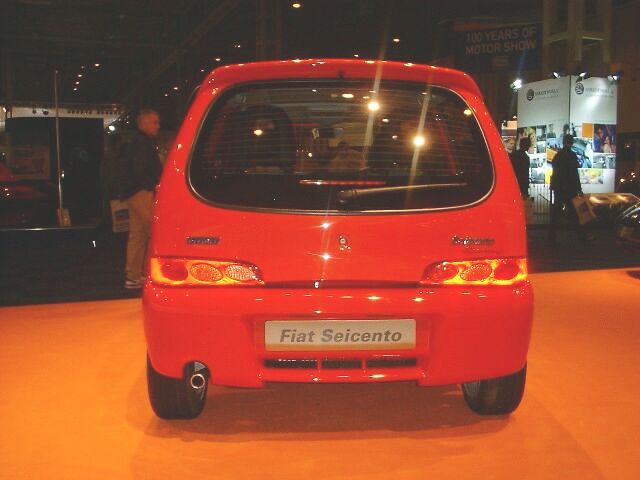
(108, 114)
(517, 47)
(593, 100)
(544, 102)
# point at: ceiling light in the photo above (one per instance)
(96, 65)
(218, 59)
(79, 75)
(296, 5)
(419, 140)
(516, 84)
(373, 106)
(396, 40)
(347, 95)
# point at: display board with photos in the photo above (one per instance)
(591, 108)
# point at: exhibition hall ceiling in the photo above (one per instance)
(123, 50)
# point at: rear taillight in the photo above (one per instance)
(502, 271)
(195, 272)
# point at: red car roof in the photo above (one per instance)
(344, 68)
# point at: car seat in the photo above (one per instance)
(263, 139)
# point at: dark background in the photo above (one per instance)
(146, 48)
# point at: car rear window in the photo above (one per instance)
(318, 146)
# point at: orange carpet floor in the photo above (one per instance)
(73, 404)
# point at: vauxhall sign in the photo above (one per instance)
(549, 93)
(546, 101)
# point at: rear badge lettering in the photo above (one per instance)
(203, 240)
(328, 335)
(456, 240)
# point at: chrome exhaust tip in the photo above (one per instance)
(197, 381)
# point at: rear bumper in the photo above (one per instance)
(462, 334)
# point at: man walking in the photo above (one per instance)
(145, 170)
(565, 184)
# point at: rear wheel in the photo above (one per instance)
(496, 396)
(173, 398)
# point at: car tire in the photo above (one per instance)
(173, 398)
(495, 396)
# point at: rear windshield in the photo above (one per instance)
(340, 147)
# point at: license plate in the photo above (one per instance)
(340, 335)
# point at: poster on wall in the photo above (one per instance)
(586, 109)
(543, 116)
(593, 116)
(29, 162)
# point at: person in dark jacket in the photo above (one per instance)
(565, 185)
(145, 170)
(521, 163)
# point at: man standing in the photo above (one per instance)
(565, 184)
(145, 170)
(521, 163)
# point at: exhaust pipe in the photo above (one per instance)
(197, 381)
(199, 373)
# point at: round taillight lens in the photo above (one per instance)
(205, 272)
(476, 272)
(506, 270)
(239, 273)
(174, 270)
(440, 272)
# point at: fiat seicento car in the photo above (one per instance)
(330, 221)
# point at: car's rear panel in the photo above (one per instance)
(338, 266)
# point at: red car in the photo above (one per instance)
(337, 221)
(22, 204)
